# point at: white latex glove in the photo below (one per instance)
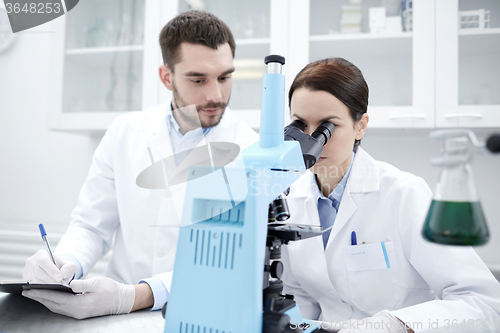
(100, 296)
(382, 322)
(39, 268)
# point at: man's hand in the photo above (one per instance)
(39, 268)
(100, 296)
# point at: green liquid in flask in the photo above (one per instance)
(456, 223)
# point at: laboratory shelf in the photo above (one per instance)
(357, 46)
(252, 41)
(112, 49)
(360, 36)
(480, 44)
(489, 31)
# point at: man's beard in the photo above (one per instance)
(188, 114)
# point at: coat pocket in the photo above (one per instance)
(372, 276)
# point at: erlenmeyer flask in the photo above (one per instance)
(455, 216)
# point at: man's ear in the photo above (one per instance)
(166, 76)
(361, 126)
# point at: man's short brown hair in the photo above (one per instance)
(193, 27)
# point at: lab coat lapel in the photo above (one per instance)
(312, 248)
(364, 177)
(159, 139)
(309, 261)
(346, 209)
(311, 209)
(309, 251)
(198, 155)
(304, 210)
(153, 144)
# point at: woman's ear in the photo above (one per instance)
(166, 76)
(361, 126)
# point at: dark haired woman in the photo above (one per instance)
(373, 263)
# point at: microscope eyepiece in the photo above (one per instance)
(324, 132)
(274, 58)
(298, 124)
(274, 63)
(311, 145)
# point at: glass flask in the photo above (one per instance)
(455, 215)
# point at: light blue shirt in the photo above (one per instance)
(181, 146)
(328, 207)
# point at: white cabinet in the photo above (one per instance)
(468, 63)
(106, 57)
(105, 63)
(398, 65)
(439, 74)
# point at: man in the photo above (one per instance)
(198, 51)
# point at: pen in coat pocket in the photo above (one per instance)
(44, 237)
(353, 238)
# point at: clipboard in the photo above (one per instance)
(17, 287)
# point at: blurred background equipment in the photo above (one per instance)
(455, 216)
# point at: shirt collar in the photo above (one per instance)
(336, 195)
(172, 123)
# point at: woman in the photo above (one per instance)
(392, 275)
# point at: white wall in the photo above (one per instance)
(41, 171)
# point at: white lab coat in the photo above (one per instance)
(143, 222)
(425, 281)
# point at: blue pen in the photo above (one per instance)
(44, 237)
(353, 238)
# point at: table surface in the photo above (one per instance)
(20, 314)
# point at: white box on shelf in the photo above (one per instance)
(474, 19)
(350, 20)
(377, 19)
(393, 25)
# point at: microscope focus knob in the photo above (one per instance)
(276, 269)
(493, 143)
(164, 310)
(275, 322)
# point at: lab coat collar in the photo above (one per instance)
(157, 120)
(217, 133)
(347, 208)
(316, 264)
(305, 186)
(364, 177)
(157, 132)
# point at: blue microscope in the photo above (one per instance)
(226, 273)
